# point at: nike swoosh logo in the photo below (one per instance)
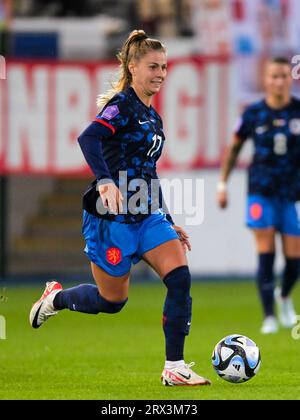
(143, 122)
(34, 322)
(184, 376)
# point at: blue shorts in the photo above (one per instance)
(267, 212)
(113, 246)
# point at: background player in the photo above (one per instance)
(273, 187)
(127, 136)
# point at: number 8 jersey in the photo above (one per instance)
(275, 167)
(132, 144)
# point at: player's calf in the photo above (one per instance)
(83, 298)
(177, 311)
(87, 299)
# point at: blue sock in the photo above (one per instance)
(265, 280)
(177, 312)
(290, 275)
(86, 298)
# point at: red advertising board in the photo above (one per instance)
(45, 106)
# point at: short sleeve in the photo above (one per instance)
(244, 126)
(115, 115)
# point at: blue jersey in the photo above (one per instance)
(132, 143)
(275, 168)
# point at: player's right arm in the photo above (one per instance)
(107, 122)
(228, 164)
(241, 134)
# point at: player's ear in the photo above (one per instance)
(131, 68)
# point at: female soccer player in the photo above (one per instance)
(273, 187)
(124, 224)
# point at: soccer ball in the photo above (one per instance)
(236, 358)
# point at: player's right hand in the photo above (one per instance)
(222, 199)
(111, 197)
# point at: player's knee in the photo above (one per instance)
(179, 279)
(109, 307)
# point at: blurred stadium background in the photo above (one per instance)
(61, 54)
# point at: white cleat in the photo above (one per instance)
(43, 308)
(286, 311)
(182, 375)
(269, 326)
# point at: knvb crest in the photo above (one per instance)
(114, 256)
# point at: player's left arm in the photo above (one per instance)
(183, 237)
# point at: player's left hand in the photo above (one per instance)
(183, 237)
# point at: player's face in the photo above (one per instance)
(149, 72)
(278, 79)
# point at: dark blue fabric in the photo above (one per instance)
(290, 275)
(162, 203)
(265, 282)
(132, 145)
(275, 169)
(177, 312)
(86, 298)
(90, 142)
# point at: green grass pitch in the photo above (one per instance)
(79, 356)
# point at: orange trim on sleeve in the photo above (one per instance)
(106, 125)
